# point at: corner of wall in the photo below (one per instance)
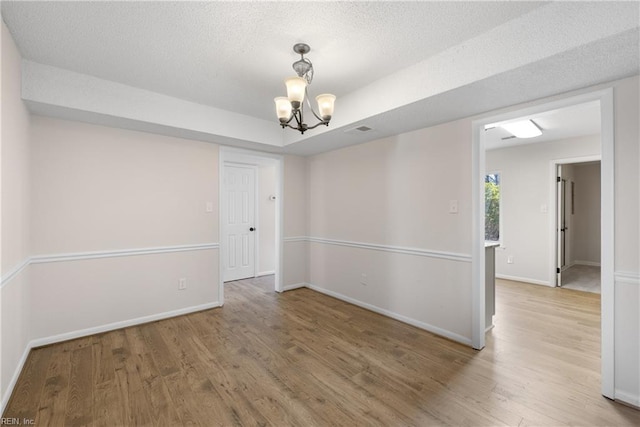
(15, 158)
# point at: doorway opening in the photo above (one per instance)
(576, 230)
(250, 219)
(604, 98)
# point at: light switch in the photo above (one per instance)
(209, 207)
(543, 208)
(453, 206)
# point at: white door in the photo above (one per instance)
(238, 233)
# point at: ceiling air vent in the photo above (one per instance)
(359, 129)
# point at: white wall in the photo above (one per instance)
(586, 220)
(526, 178)
(98, 189)
(381, 210)
(295, 247)
(14, 217)
(267, 220)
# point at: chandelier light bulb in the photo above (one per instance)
(295, 91)
(283, 108)
(325, 105)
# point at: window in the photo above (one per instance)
(492, 207)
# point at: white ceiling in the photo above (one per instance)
(570, 122)
(395, 66)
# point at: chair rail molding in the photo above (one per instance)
(77, 256)
(452, 256)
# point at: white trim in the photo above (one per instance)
(394, 249)
(39, 259)
(14, 378)
(39, 342)
(629, 399)
(404, 319)
(587, 263)
(256, 220)
(553, 209)
(14, 272)
(607, 239)
(525, 280)
(628, 277)
(78, 256)
(296, 239)
(266, 273)
(221, 252)
(279, 255)
(295, 286)
(605, 97)
(253, 158)
(478, 295)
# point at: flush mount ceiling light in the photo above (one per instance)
(291, 107)
(522, 128)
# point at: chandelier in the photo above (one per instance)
(290, 108)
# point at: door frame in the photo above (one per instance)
(239, 156)
(605, 97)
(553, 203)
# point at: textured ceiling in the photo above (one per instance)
(235, 55)
(188, 68)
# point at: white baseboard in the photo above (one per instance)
(294, 286)
(524, 279)
(588, 263)
(427, 327)
(265, 273)
(626, 398)
(39, 342)
(14, 378)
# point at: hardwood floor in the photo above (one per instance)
(302, 358)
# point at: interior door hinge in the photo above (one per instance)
(557, 270)
(559, 179)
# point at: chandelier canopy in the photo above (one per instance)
(291, 107)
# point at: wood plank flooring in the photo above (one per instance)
(301, 358)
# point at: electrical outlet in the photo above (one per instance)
(363, 279)
(182, 284)
(510, 259)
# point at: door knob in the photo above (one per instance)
(251, 229)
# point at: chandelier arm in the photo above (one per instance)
(298, 116)
(306, 93)
(317, 124)
(290, 118)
